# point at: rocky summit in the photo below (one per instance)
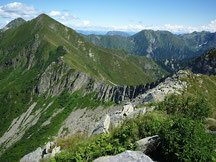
(69, 97)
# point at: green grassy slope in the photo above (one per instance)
(112, 41)
(26, 51)
(83, 55)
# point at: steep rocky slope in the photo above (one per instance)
(204, 64)
(100, 120)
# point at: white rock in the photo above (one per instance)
(103, 125)
(127, 156)
(127, 109)
(137, 112)
(33, 156)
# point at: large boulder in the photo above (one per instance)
(39, 154)
(33, 156)
(137, 112)
(118, 117)
(127, 156)
(103, 125)
(127, 109)
(149, 144)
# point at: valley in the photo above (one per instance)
(72, 97)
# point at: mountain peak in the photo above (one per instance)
(14, 23)
(43, 17)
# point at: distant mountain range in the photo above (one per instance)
(120, 33)
(159, 44)
(89, 32)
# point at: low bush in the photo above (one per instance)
(186, 140)
(187, 106)
(182, 139)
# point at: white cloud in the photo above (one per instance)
(179, 28)
(55, 13)
(135, 28)
(17, 9)
(210, 27)
(86, 22)
(62, 16)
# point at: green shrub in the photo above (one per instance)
(186, 140)
(120, 139)
(187, 106)
(181, 140)
(101, 146)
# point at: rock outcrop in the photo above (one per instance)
(171, 85)
(149, 144)
(133, 156)
(103, 126)
(39, 153)
(33, 156)
(116, 118)
(59, 76)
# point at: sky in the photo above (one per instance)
(177, 16)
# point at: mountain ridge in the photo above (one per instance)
(204, 64)
(159, 44)
(46, 66)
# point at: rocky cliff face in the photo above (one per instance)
(99, 120)
(204, 64)
(171, 85)
(59, 76)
